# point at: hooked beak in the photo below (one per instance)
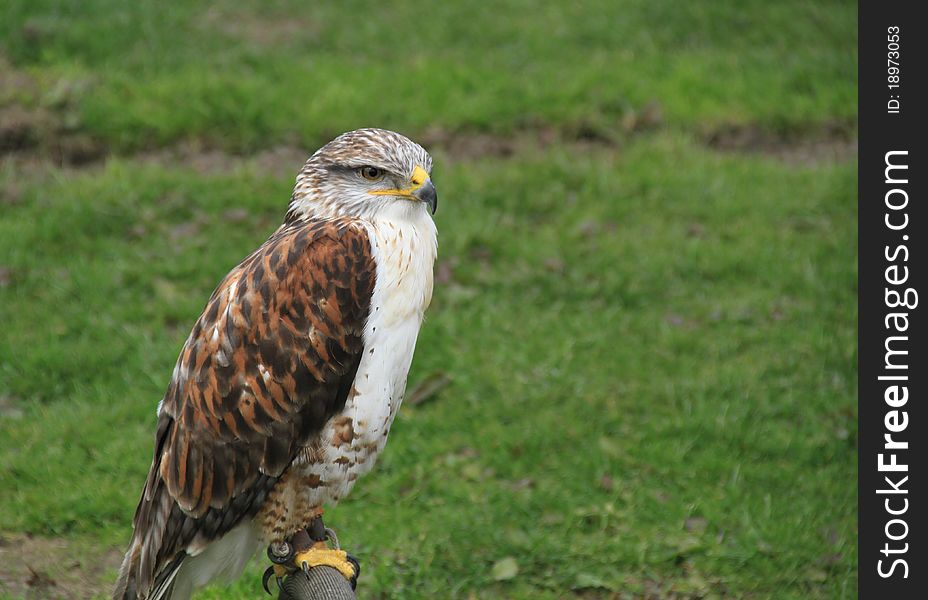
(423, 190)
(426, 193)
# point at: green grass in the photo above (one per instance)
(651, 344)
(270, 71)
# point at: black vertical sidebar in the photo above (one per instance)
(893, 370)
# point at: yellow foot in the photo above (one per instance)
(300, 552)
(321, 555)
(280, 571)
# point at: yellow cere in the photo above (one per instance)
(419, 176)
(418, 179)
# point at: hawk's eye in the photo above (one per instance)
(371, 173)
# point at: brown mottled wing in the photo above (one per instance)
(269, 361)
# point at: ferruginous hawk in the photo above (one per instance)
(286, 388)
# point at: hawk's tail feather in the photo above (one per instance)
(164, 583)
(127, 585)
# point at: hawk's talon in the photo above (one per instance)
(276, 571)
(268, 573)
(357, 570)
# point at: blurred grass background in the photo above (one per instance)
(645, 299)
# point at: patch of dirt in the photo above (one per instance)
(473, 145)
(833, 142)
(32, 141)
(40, 132)
(579, 137)
(37, 124)
(48, 568)
(21, 129)
(283, 161)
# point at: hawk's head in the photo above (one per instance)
(362, 173)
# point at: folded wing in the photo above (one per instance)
(270, 360)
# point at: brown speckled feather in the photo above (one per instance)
(269, 361)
